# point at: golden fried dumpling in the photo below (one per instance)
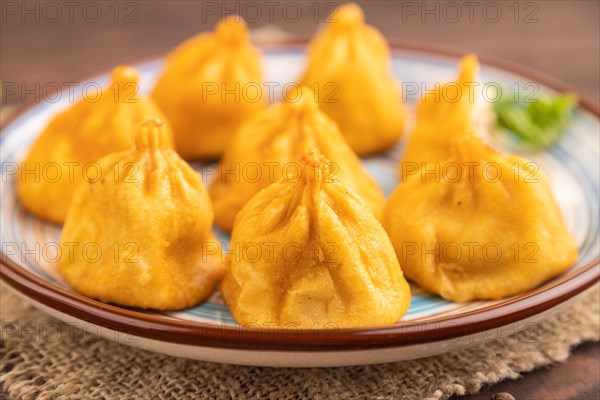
(140, 234)
(349, 66)
(267, 147)
(64, 153)
(210, 84)
(485, 226)
(443, 115)
(306, 253)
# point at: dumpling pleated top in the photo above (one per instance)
(315, 257)
(349, 65)
(486, 226)
(442, 115)
(209, 85)
(268, 146)
(65, 152)
(140, 235)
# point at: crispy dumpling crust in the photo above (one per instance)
(350, 65)
(315, 257)
(76, 138)
(209, 86)
(487, 228)
(269, 145)
(149, 216)
(444, 115)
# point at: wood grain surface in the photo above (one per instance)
(41, 44)
(48, 43)
(576, 379)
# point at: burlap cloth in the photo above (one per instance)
(38, 364)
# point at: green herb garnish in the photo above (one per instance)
(539, 121)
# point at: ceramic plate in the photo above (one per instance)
(208, 332)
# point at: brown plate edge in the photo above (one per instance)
(403, 334)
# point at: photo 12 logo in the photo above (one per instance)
(70, 171)
(54, 252)
(70, 91)
(453, 12)
(269, 172)
(271, 92)
(270, 252)
(471, 92)
(272, 11)
(470, 252)
(55, 332)
(125, 12)
(469, 171)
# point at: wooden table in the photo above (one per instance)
(43, 44)
(576, 379)
(559, 38)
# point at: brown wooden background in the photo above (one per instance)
(42, 43)
(557, 37)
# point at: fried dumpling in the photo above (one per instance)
(64, 153)
(140, 234)
(209, 85)
(485, 226)
(443, 115)
(349, 65)
(306, 253)
(267, 147)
